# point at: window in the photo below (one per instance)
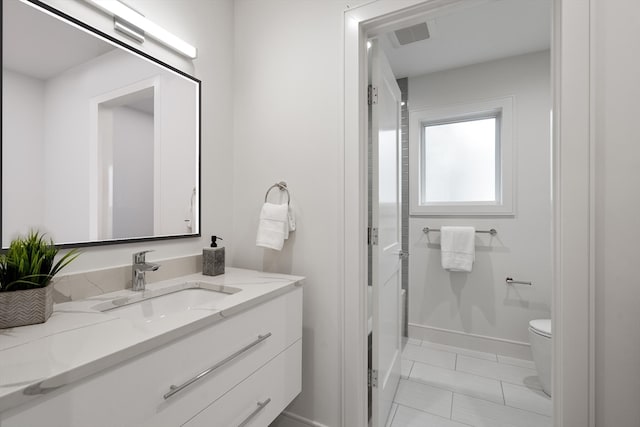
(461, 160)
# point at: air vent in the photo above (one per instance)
(412, 34)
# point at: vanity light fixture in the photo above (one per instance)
(122, 11)
(128, 30)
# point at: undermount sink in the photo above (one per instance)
(150, 305)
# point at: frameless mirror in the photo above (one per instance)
(100, 142)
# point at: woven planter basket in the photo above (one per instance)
(27, 307)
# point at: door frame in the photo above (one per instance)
(96, 158)
(573, 204)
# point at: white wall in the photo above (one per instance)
(178, 159)
(209, 26)
(23, 121)
(617, 216)
(288, 74)
(22, 98)
(479, 302)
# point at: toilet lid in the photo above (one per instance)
(541, 326)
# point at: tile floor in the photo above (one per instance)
(445, 386)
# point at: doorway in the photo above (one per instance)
(477, 91)
(125, 147)
(126, 144)
(371, 20)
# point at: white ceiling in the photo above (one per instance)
(41, 46)
(470, 35)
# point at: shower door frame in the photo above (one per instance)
(573, 188)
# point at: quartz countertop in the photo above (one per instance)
(78, 340)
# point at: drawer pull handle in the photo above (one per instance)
(260, 407)
(173, 389)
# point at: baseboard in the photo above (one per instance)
(289, 419)
(517, 349)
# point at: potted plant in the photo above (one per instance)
(26, 270)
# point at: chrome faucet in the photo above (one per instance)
(140, 267)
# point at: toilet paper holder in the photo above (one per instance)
(510, 281)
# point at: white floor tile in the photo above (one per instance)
(409, 417)
(529, 399)
(413, 341)
(392, 414)
(480, 413)
(508, 373)
(460, 350)
(461, 382)
(516, 362)
(440, 358)
(405, 366)
(424, 398)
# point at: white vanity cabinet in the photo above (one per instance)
(257, 400)
(256, 359)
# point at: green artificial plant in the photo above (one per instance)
(29, 263)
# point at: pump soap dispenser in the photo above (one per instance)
(213, 258)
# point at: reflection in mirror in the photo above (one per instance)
(100, 144)
(126, 145)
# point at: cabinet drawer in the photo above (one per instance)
(281, 317)
(260, 398)
(131, 394)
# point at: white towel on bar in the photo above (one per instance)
(457, 245)
(291, 223)
(273, 228)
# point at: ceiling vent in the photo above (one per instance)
(412, 34)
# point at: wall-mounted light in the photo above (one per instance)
(126, 28)
(120, 10)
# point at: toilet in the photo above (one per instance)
(540, 339)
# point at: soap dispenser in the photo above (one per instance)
(213, 258)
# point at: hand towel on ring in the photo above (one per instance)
(273, 227)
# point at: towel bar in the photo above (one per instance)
(282, 186)
(493, 231)
(510, 281)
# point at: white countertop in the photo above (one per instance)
(78, 340)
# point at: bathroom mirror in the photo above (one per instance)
(100, 142)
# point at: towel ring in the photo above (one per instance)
(282, 186)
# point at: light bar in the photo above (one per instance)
(114, 7)
(128, 30)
